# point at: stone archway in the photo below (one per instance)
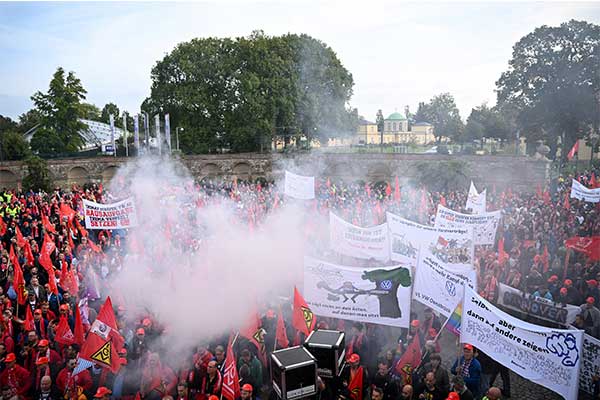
(78, 175)
(242, 170)
(210, 170)
(8, 179)
(379, 172)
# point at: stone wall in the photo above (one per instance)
(522, 173)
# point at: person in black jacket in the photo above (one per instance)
(385, 381)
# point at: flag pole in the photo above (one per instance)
(441, 329)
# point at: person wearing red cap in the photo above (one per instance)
(157, 380)
(41, 369)
(103, 393)
(573, 295)
(354, 377)
(415, 330)
(469, 368)
(15, 377)
(359, 342)
(592, 290)
(453, 396)
(54, 359)
(138, 349)
(591, 317)
(246, 392)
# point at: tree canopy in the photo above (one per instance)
(239, 94)
(442, 112)
(486, 122)
(60, 109)
(553, 83)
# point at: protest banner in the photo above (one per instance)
(118, 215)
(590, 363)
(546, 356)
(375, 295)
(299, 187)
(537, 307)
(451, 246)
(588, 245)
(439, 286)
(358, 242)
(580, 192)
(476, 202)
(484, 225)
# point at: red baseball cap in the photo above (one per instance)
(453, 396)
(147, 322)
(468, 347)
(247, 387)
(592, 282)
(563, 290)
(353, 358)
(140, 331)
(432, 332)
(415, 323)
(42, 361)
(10, 357)
(43, 343)
(553, 279)
(102, 391)
(590, 300)
(568, 282)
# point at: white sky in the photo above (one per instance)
(399, 53)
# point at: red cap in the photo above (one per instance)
(415, 323)
(122, 361)
(568, 282)
(146, 322)
(43, 343)
(140, 331)
(563, 291)
(432, 332)
(64, 307)
(213, 397)
(592, 282)
(353, 358)
(10, 357)
(247, 387)
(553, 279)
(123, 352)
(590, 300)
(468, 347)
(42, 361)
(102, 391)
(453, 396)
(38, 311)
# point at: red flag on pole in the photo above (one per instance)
(48, 247)
(567, 203)
(280, 334)
(94, 246)
(388, 190)
(593, 183)
(303, 318)
(65, 211)
(79, 332)
(573, 151)
(20, 239)
(410, 360)
(502, 255)
(443, 201)
(47, 224)
(588, 245)
(64, 335)
(29, 323)
(256, 334)
(231, 380)
(19, 280)
(52, 281)
(397, 190)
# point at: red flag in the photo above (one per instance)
(538, 191)
(81, 229)
(588, 245)
(567, 203)
(48, 247)
(276, 201)
(65, 211)
(94, 246)
(64, 335)
(546, 197)
(19, 280)
(20, 239)
(410, 360)
(48, 226)
(52, 281)
(443, 201)
(388, 190)
(502, 255)
(356, 385)
(546, 259)
(2, 227)
(328, 184)
(79, 332)
(104, 341)
(593, 183)
(28, 253)
(303, 318)
(573, 151)
(397, 190)
(29, 323)
(231, 380)
(254, 332)
(280, 334)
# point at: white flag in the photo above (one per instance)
(476, 201)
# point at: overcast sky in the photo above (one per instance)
(399, 53)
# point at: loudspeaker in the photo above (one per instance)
(293, 373)
(329, 348)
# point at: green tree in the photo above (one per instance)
(485, 122)
(239, 94)
(29, 120)
(107, 110)
(7, 124)
(443, 113)
(553, 83)
(13, 146)
(38, 175)
(90, 111)
(60, 110)
(380, 121)
(474, 130)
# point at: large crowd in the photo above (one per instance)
(34, 365)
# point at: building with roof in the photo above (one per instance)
(397, 129)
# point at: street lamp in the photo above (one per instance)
(177, 136)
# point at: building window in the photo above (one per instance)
(394, 127)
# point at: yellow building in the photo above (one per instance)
(396, 129)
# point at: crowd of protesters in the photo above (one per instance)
(33, 365)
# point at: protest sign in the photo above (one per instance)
(484, 225)
(299, 187)
(476, 202)
(590, 363)
(375, 295)
(118, 215)
(358, 242)
(451, 246)
(546, 356)
(439, 286)
(537, 307)
(580, 192)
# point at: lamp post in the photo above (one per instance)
(177, 137)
